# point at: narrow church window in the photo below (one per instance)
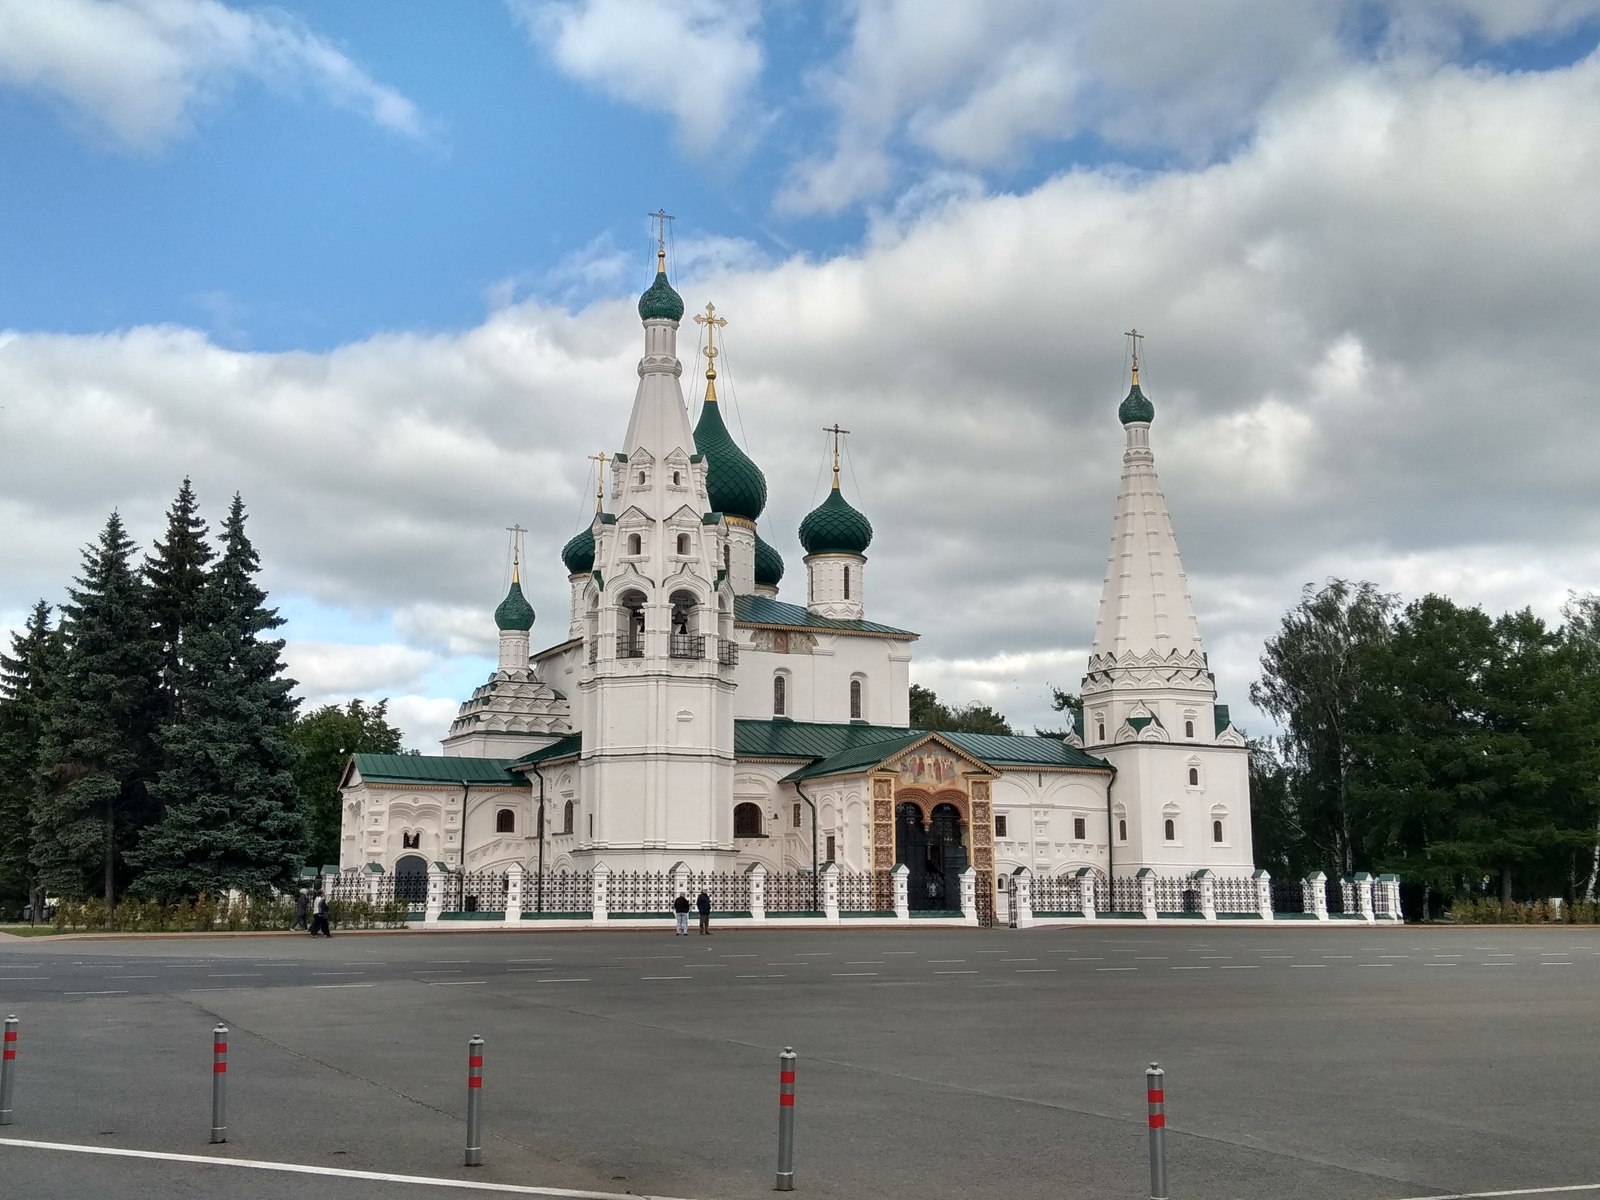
(1100, 731)
(1194, 776)
(1188, 729)
(683, 543)
(847, 583)
(1079, 829)
(746, 820)
(830, 848)
(677, 479)
(797, 816)
(778, 697)
(411, 840)
(566, 818)
(727, 558)
(1122, 829)
(1216, 831)
(1000, 825)
(855, 699)
(635, 544)
(1171, 830)
(641, 478)
(591, 824)
(505, 821)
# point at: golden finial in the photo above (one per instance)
(516, 532)
(661, 217)
(1134, 338)
(837, 433)
(599, 480)
(712, 322)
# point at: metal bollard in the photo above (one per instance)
(786, 1062)
(1156, 1096)
(475, 1101)
(219, 1084)
(7, 1057)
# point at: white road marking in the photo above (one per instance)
(37, 978)
(1338, 956)
(877, 962)
(528, 960)
(1116, 968)
(342, 985)
(256, 1164)
(583, 979)
(455, 982)
(1374, 964)
(1543, 1191)
(947, 960)
(729, 956)
(441, 961)
(1249, 967)
(1036, 970)
(1308, 966)
(237, 975)
(1216, 956)
(851, 974)
(761, 977)
(661, 978)
(1555, 964)
(315, 973)
(1441, 964)
(813, 953)
(121, 993)
(1019, 960)
(1394, 956)
(1191, 968)
(969, 971)
(1150, 957)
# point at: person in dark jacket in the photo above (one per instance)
(702, 902)
(680, 908)
(302, 910)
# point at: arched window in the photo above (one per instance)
(1216, 831)
(505, 821)
(411, 839)
(683, 606)
(630, 625)
(1188, 729)
(1099, 731)
(641, 478)
(1194, 776)
(1122, 829)
(797, 816)
(635, 544)
(683, 543)
(746, 820)
(1170, 829)
(855, 699)
(847, 583)
(780, 697)
(566, 817)
(677, 479)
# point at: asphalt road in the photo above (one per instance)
(1360, 1063)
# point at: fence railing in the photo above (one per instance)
(866, 891)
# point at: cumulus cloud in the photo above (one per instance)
(1369, 347)
(139, 69)
(323, 669)
(697, 60)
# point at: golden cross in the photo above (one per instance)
(599, 479)
(660, 218)
(837, 433)
(712, 322)
(516, 532)
(1134, 338)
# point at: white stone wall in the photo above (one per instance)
(836, 585)
(818, 669)
(1152, 786)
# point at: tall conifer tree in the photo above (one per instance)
(176, 575)
(96, 750)
(26, 677)
(231, 817)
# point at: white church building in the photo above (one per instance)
(687, 716)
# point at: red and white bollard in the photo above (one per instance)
(474, 1102)
(786, 1062)
(1155, 1091)
(8, 1057)
(219, 1084)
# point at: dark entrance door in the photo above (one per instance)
(933, 854)
(411, 880)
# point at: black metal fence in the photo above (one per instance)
(866, 891)
(646, 893)
(1057, 894)
(728, 891)
(568, 893)
(1234, 894)
(793, 891)
(1288, 896)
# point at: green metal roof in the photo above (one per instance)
(564, 747)
(769, 563)
(995, 750)
(1136, 406)
(734, 484)
(434, 768)
(835, 527)
(514, 612)
(806, 740)
(763, 610)
(578, 554)
(659, 300)
(1220, 718)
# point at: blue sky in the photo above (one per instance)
(347, 196)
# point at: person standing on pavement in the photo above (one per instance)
(302, 911)
(319, 917)
(680, 908)
(702, 902)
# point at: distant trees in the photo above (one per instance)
(324, 740)
(1457, 749)
(929, 712)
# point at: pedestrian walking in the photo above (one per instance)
(319, 916)
(702, 902)
(302, 911)
(680, 907)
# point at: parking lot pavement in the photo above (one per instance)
(1356, 1063)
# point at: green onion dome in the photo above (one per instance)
(514, 612)
(659, 300)
(734, 484)
(578, 553)
(769, 564)
(834, 527)
(1136, 407)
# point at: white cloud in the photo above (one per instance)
(140, 68)
(320, 668)
(695, 60)
(1369, 349)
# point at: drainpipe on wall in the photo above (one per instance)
(816, 904)
(540, 888)
(463, 856)
(1111, 830)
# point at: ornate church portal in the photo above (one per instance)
(943, 823)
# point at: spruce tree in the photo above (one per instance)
(26, 677)
(231, 817)
(176, 574)
(96, 750)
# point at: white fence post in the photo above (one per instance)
(1317, 889)
(902, 891)
(1263, 894)
(1393, 882)
(597, 897)
(969, 895)
(1147, 890)
(1086, 886)
(514, 877)
(1363, 890)
(1208, 893)
(756, 875)
(830, 892)
(1022, 886)
(680, 880)
(436, 876)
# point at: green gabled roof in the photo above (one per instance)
(1023, 751)
(565, 747)
(763, 610)
(805, 740)
(433, 768)
(857, 758)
